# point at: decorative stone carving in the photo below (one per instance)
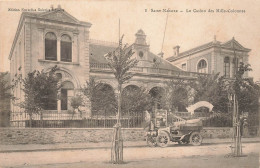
(67, 75)
(60, 16)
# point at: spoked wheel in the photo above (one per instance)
(163, 139)
(195, 139)
(151, 141)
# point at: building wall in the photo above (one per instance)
(78, 68)
(12, 136)
(193, 62)
(215, 59)
(241, 56)
(17, 67)
(29, 53)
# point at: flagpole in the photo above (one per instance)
(164, 32)
(119, 29)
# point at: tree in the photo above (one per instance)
(101, 97)
(176, 95)
(75, 103)
(211, 88)
(5, 97)
(40, 91)
(120, 63)
(240, 88)
(135, 101)
(245, 89)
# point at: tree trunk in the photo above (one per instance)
(119, 104)
(30, 122)
(105, 113)
(236, 125)
(117, 142)
(128, 125)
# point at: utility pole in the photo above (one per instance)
(236, 121)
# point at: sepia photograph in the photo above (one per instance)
(129, 84)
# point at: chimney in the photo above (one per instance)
(215, 39)
(160, 54)
(176, 50)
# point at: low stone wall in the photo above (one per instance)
(77, 135)
(63, 135)
(217, 132)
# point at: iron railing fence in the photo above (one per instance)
(187, 115)
(67, 120)
(149, 70)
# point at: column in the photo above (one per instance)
(58, 49)
(75, 57)
(59, 101)
(59, 106)
(41, 43)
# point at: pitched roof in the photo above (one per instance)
(234, 44)
(57, 14)
(231, 44)
(97, 52)
(163, 64)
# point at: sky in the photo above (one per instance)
(186, 29)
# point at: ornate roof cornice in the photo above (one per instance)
(230, 45)
(56, 15)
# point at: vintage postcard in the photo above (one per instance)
(112, 83)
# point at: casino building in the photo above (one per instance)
(46, 39)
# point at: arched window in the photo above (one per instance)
(66, 48)
(227, 67)
(202, 66)
(103, 100)
(67, 91)
(50, 46)
(157, 96)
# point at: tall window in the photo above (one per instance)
(66, 48)
(50, 46)
(227, 67)
(51, 102)
(183, 66)
(202, 66)
(67, 91)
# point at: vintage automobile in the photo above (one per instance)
(183, 132)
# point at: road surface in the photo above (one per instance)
(217, 155)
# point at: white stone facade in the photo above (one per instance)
(28, 49)
(214, 54)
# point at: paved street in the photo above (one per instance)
(215, 155)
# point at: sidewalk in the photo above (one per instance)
(99, 145)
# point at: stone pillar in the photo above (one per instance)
(41, 50)
(59, 101)
(59, 106)
(58, 49)
(75, 55)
